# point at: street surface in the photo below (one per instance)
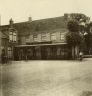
(46, 78)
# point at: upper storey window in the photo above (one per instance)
(12, 36)
(62, 36)
(27, 38)
(53, 36)
(35, 36)
(43, 36)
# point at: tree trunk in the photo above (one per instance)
(73, 53)
(76, 51)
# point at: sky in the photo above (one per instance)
(20, 10)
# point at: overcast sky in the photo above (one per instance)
(20, 10)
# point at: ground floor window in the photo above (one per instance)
(60, 51)
(42, 52)
(9, 52)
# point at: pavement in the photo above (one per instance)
(46, 78)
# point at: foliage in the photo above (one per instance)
(73, 26)
(79, 33)
(89, 28)
(74, 38)
(79, 17)
(88, 36)
(88, 40)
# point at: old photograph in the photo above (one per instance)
(45, 48)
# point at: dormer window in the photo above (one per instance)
(12, 36)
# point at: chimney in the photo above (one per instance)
(29, 19)
(11, 22)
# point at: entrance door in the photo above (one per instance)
(43, 52)
(37, 52)
(29, 54)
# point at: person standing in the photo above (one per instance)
(81, 56)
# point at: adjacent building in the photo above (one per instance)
(8, 40)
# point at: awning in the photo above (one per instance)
(41, 45)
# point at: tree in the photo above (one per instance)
(88, 38)
(73, 26)
(73, 37)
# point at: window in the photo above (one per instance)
(53, 36)
(9, 52)
(12, 36)
(43, 36)
(35, 37)
(62, 36)
(27, 39)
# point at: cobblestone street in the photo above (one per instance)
(46, 78)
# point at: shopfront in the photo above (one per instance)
(41, 52)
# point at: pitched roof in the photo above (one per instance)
(25, 28)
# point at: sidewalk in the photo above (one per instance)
(22, 61)
(87, 56)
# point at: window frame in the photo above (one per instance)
(35, 37)
(43, 36)
(53, 36)
(10, 52)
(12, 36)
(27, 38)
(62, 36)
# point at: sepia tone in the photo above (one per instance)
(47, 57)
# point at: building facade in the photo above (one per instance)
(8, 40)
(39, 39)
(42, 39)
